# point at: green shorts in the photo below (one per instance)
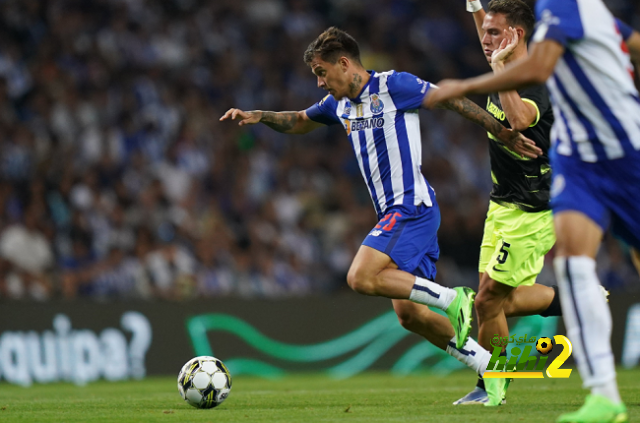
(514, 244)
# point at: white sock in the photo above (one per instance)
(609, 390)
(588, 321)
(430, 293)
(472, 354)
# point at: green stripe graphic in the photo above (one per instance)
(366, 344)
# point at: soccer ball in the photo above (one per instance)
(544, 345)
(204, 382)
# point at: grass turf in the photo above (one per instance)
(371, 397)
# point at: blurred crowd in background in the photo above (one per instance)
(117, 181)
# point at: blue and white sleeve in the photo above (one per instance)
(625, 30)
(558, 21)
(324, 111)
(407, 90)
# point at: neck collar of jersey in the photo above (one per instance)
(364, 87)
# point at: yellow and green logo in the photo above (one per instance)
(523, 365)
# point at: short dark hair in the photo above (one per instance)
(331, 45)
(517, 12)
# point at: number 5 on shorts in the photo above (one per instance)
(502, 257)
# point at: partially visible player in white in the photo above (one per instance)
(580, 51)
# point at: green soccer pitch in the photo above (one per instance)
(367, 398)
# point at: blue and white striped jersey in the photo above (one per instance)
(595, 101)
(384, 129)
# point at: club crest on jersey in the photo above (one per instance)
(377, 106)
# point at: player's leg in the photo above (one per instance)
(490, 240)
(524, 300)
(489, 306)
(492, 321)
(544, 301)
(532, 300)
(375, 273)
(587, 197)
(437, 329)
(510, 264)
(586, 314)
(404, 241)
(493, 297)
(420, 320)
(512, 260)
(538, 299)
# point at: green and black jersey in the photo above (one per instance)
(524, 183)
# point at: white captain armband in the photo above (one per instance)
(474, 6)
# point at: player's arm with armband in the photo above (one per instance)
(520, 114)
(475, 7)
(285, 122)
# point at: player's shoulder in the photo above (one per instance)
(556, 6)
(328, 102)
(403, 80)
(394, 75)
(570, 11)
(561, 13)
(324, 111)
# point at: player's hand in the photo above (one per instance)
(507, 46)
(520, 144)
(247, 118)
(447, 90)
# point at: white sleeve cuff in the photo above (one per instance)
(474, 6)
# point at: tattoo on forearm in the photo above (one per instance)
(476, 114)
(354, 86)
(280, 121)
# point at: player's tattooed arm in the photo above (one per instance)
(279, 121)
(471, 111)
(513, 140)
(285, 122)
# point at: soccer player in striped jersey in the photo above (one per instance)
(379, 112)
(581, 52)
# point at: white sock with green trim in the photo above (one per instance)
(431, 294)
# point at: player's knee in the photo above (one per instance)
(361, 281)
(486, 303)
(406, 317)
